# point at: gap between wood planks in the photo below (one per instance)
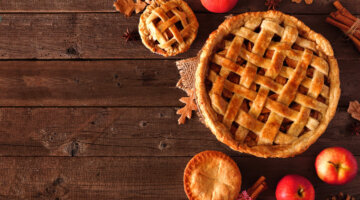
(94, 37)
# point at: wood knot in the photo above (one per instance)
(58, 181)
(73, 148)
(143, 124)
(71, 51)
(163, 145)
(55, 190)
(119, 84)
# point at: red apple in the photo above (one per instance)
(219, 6)
(336, 165)
(294, 187)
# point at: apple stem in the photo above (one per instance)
(300, 192)
(337, 166)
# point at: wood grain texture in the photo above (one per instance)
(105, 127)
(127, 132)
(319, 6)
(130, 178)
(112, 83)
(99, 36)
(89, 83)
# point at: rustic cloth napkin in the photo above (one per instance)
(187, 68)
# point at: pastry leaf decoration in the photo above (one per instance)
(354, 109)
(127, 7)
(190, 105)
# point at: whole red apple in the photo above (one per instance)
(336, 165)
(219, 6)
(294, 187)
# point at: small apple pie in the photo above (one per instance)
(266, 84)
(212, 175)
(168, 27)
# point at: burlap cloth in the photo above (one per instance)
(187, 68)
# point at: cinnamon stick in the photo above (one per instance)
(341, 26)
(343, 10)
(344, 20)
(341, 18)
(259, 186)
(356, 42)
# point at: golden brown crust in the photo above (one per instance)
(286, 146)
(212, 175)
(164, 37)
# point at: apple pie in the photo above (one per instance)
(212, 175)
(266, 84)
(168, 27)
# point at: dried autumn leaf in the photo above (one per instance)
(190, 105)
(354, 109)
(127, 7)
(139, 6)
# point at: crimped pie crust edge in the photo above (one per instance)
(200, 157)
(222, 133)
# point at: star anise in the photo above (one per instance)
(356, 128)
(272, 4)
(131, 35)
(341, 196)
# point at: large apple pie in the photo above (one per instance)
(267, 84)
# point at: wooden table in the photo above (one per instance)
(85, 115)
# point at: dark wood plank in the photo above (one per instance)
(89, 83)
(112, 83)
(137, 178)
(99, 36)
(319, 6)
(127, 132)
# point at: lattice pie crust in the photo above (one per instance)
(266, 84)
(168, 27)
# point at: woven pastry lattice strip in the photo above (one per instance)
(266, 76)
(161, 22)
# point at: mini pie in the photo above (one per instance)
(266, 84)
(168, 27)
(212, 175)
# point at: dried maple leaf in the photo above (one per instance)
(190, 105)
(354, 109)
(272, 4)
(127, 7)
